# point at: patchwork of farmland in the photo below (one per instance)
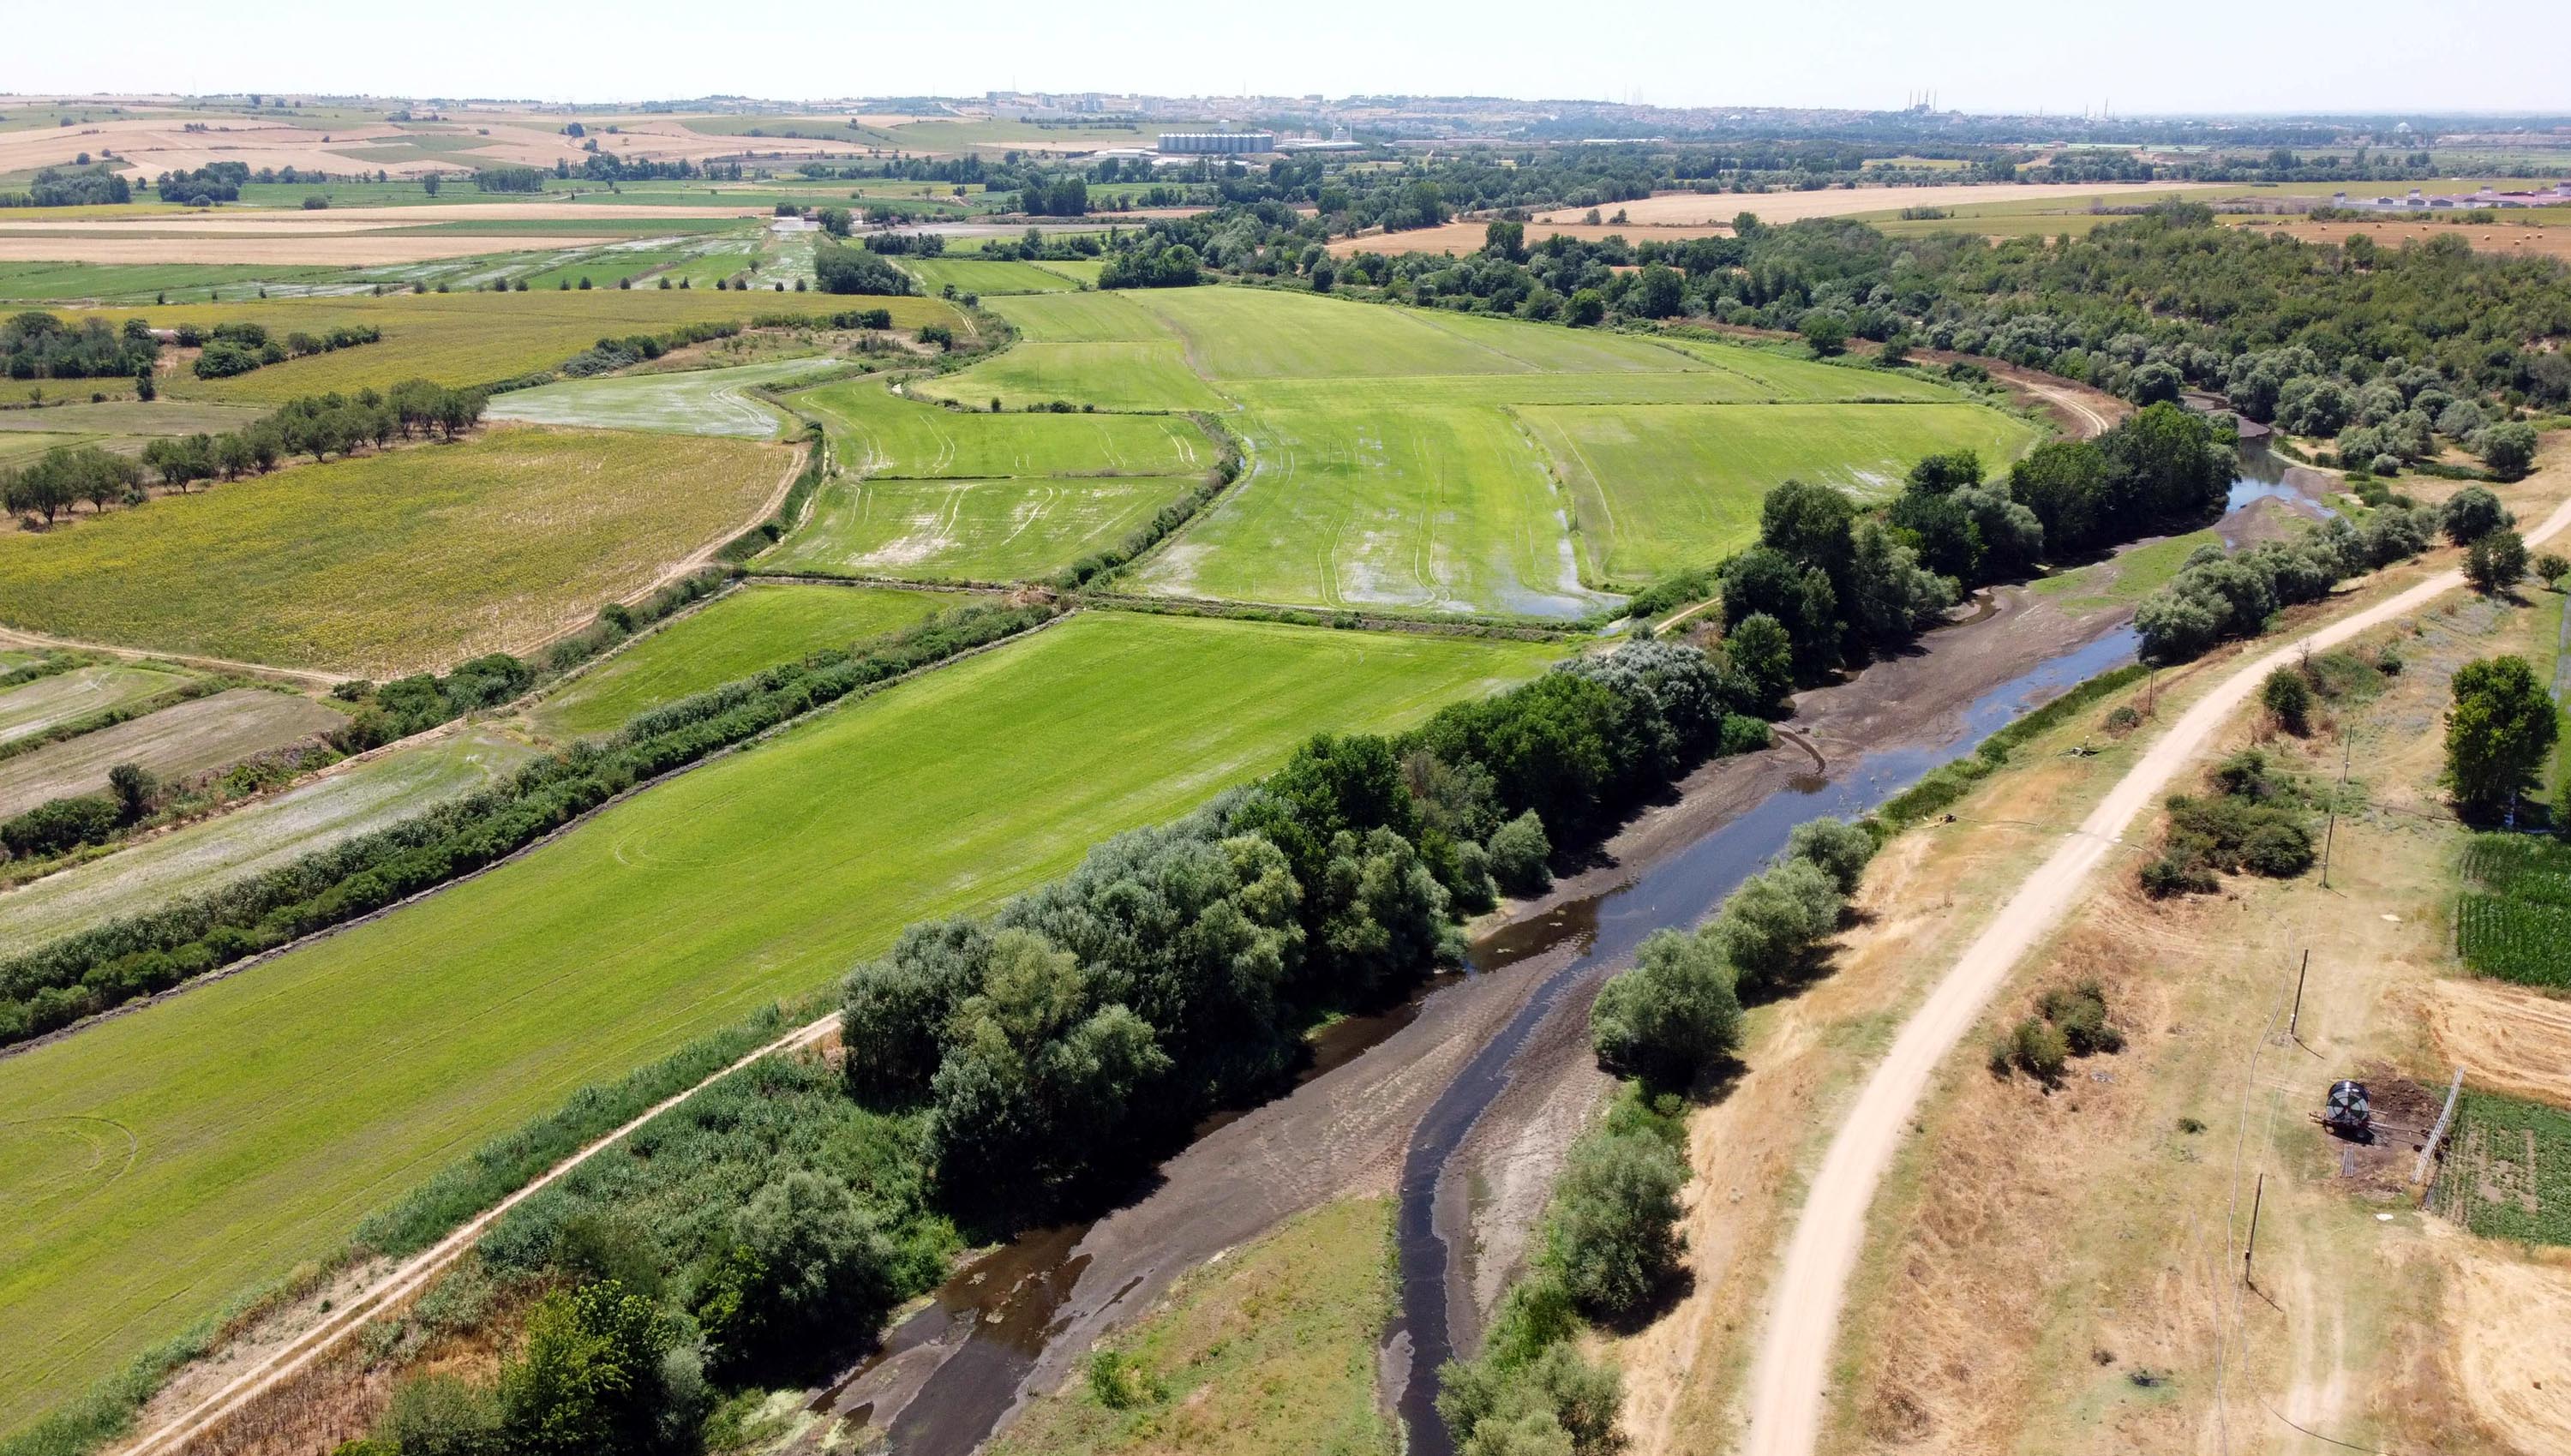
(256, 1119)
(158, 1163)
(2516, 923)
(393, 562)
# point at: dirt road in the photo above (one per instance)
(1793, 1361)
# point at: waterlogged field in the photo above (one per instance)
(272, 832)
(1428, 460)
(47, 282)
(752, 629)
(65, 697)
(1015, 529)
(1442, 507)
(881, 433)
(695, 402)
(184, 739)
(393, 562)
(479, 337)
(158, 1162)
(1660, 488)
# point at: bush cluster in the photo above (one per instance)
(2068, 1022)
(840, 269)
(37, 346)
(238, 349)
(2216, 596)
(2255, 822)
(610, 355)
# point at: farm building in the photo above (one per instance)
(1217, 144)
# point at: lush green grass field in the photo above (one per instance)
(1108, 375)
(754, 628)
(158, 1162)
(473, 339)
(1257, 333)
(693, 402)
(1082, 318)
(130, 417)
(603, 267)
(261, 836)
(885, 434)
(1660, 488)
(1022, 527)
(1444, 508)
(983, 277)
(17, 447)
(2124, 578)
(1078, 270)
(393, 562)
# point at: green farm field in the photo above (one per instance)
(1141, 376)
(162, 1161)
(1662, 488)
(984, 277)
(752, 629)
(478, 337)
(687, 402)
(71, 283)
(212, 852)
(1022, 527)
(1420, 459)
(885, 434)
(393, 562)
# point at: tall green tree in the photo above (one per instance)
(2499, 731)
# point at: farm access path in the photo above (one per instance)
(1790, 1368)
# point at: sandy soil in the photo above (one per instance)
(2522, 240)
(357, 250)
(1776, 208)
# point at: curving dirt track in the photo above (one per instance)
(1792, 1363)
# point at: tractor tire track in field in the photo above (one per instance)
(1792, 1365)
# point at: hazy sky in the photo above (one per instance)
(1979, 54)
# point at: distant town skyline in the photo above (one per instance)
(1983, 56)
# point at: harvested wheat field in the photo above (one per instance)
(1668, 209)
(2516, 240)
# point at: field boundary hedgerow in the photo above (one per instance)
(260, 957)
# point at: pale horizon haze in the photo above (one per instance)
(1989, 56)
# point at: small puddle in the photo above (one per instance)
(1676, 893)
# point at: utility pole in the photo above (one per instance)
(2251, 1246)
(2295, 1022)
(2329, 833)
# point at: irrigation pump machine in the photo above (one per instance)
(2348, 1112)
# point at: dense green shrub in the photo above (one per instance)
(1671, 1017)
(1520, 856)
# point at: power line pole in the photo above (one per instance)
(2255, 1199)
(2293, 1025)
